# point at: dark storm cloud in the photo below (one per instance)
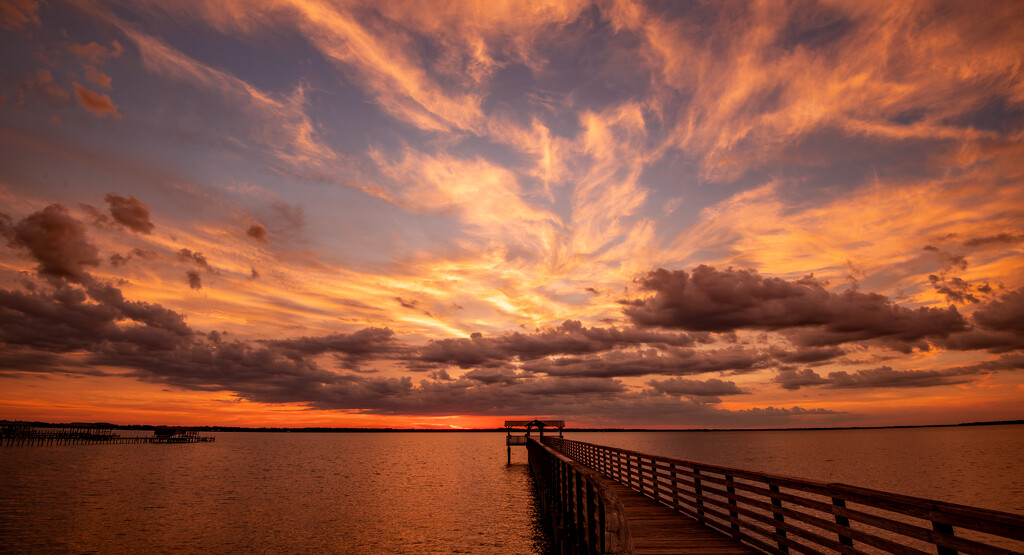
(773, 412)
(434, 397)
(682, 386)
(572, 367)
(152, 315)
(571, 338)
(350, 348)
(675, 362)
(64, 320)
(727, 300)
(252, 372)
(257, 232)
(412, 304)
(363, 342)
(1000, 239)
(130, 212)
(999, 326)
(6, 226)
(899, 329)
(57, 241)
(570, 386)
(1005, 313)
(978, 340)
(795, 379)
(118, 259)
(955, 289)
(441, 375)
(98, 218)
(807, 355)
(197, 258)
(57, 322)
(15, 361)
(887, 377)
(194, 280)
(155, 344)
(493, 375)
(950, 261)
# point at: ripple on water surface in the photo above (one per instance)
(273, 493)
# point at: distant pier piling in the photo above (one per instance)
(14, 434)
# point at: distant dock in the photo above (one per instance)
(13, 434)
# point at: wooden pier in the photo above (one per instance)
(20, 434)
(527, 425)
(608, 500)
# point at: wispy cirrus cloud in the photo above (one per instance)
(785, 73)
(278, 122)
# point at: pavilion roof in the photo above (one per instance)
(536, 423)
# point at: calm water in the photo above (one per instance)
(272, 493)
(981, 466)
(424, 492)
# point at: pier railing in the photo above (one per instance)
(783, 515)
(585, 516)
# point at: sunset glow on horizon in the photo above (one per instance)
(441, 215)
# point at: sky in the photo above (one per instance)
(444, 214)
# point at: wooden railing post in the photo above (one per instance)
(698, 491)
(675, 485)
(947, 530)
(618, 467)
(732, 491)
(565, 494)
(592, 541)
(779, 532)
(581, 516)
(842, 521)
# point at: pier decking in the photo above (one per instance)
(657, 529)
(608, 500)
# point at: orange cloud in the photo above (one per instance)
(876, 231)
(19, 14)
(763, 89)
(95, 53)
(97, 76)
(42, 83)
(97, 103)
(442, 93)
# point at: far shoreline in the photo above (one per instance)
(314, 429)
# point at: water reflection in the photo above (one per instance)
(280, 493)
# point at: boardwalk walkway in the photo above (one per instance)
(591, 513)
(656, 529)
(611, 500)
